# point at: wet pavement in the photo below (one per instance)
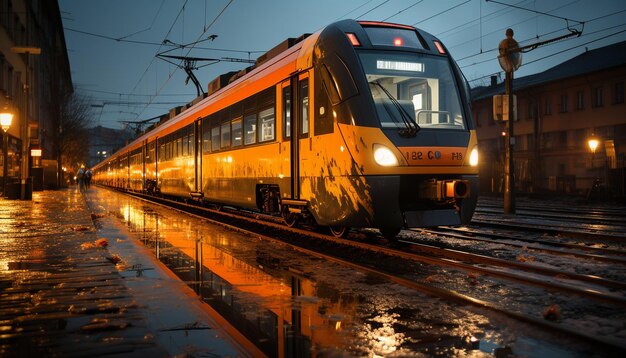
(62, 294)
(290, 304)
(169, 284)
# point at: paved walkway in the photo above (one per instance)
(62, 295)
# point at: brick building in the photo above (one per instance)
(558, 112)
(34, 72)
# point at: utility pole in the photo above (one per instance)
(510, 60)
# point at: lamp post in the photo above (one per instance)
(593, 142)
(6, 117)
(510, 59)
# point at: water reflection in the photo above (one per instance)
(278, 308)
(293, 305)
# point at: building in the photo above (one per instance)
(34, 74)
(106, 141)
(558, 112)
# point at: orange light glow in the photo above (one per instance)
(353, 39)
(440, 48)
(398, 41)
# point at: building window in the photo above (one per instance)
(548, 106)
(532, 109)
(580, 100)
(618, 97)
(563, 103)
(597, 97)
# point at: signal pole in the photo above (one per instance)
(510, 60)
(509, 168)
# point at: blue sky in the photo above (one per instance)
(112, 44)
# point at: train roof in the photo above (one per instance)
(294, 52)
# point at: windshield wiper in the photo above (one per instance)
(411, 127)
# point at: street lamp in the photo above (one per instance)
(6, 117)
(593, 143)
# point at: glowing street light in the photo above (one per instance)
(593, 143)
(6, 118)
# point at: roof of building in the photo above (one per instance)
(590, 61)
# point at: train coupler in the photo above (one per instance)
(443, 190)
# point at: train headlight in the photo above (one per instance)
(384, 156)
(474, 157)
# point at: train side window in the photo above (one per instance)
(266, 122)
(179, 148)
(185, 145)
(206, 136)
(250, 128)
(151, 151)
(237, 132)
(287, 112)
(341, 78)
(304, 105)
(321, 116)
(215, 138)
(225, 135)
(329, 84)
(192, 147)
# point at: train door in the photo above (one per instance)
(157, 157)
(303, 119)
(144, 159)
(298, 125)
(198, 155)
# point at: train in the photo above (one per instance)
(361, 124)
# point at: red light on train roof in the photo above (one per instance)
(398, 41)
(385, 24)
(353, 39)
(440, 47)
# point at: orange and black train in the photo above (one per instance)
(361, 124)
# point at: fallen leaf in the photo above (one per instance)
(102, 242)
(552, 313)
(87, 245)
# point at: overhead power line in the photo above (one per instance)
(442, 12)
(552, 54)
(372, 9)
(403, 10)
(536, 12)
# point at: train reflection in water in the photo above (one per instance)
(277, 308)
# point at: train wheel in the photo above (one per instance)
(339, 231)
(290, 218)
(389, 233)
(467, 208)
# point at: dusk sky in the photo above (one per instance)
(112, 44)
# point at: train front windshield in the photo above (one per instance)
(411, 89)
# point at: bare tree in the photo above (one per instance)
(71, 139)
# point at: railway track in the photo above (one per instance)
(344, 251)
(551, 247)
(584, 222)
